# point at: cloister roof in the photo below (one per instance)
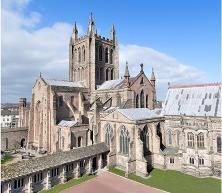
(26, 167)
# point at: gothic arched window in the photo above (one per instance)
(146, 101)
(178, 138)
(96, 52)
(201, 161)
(111, 56)
(219, 144)
(100, 53)
(79, 141)
(200, 140)
(190, 139)
(191, 160)
(108, 134)
(137, 101)
(83, 53)
(101, 74)
(142, 99)
(107, 74)
(124, 141)
(169, 137)
(106, 55)
(144, 136)
(112, 74)
(79, 55)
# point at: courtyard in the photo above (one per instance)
(110, 183)
(159, 181)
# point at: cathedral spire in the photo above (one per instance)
(127, 75)
(91, 26)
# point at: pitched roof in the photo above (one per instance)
(65, 123)
(193, 100)
(64, 83)
(136, 114)
(111, 84)
(26, 167)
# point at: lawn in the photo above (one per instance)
(176, 182)
(6, 159)
(58, 188)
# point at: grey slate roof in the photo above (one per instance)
(26, 167)
(136, 114)
(193, 100)
(111, 84)
(65, 123)
(64, 83)
(170, 151)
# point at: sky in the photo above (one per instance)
(179, 39)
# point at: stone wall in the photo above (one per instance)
(13, 138)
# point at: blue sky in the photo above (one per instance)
(186, 30)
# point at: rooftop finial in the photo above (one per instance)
(141, 65)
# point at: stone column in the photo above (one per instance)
(8, 188)
(48, 180)
(63, 174)
(77, 174)
(30, 184)
(127, 169)
(90, 166)
(99, 161)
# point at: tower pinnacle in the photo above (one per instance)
(75, 31)
(91, 25)
(127, 75)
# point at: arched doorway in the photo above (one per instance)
(22, 143)
(94, 164)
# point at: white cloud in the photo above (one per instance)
(28, 50)
(166, 68)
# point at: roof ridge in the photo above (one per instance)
(196, 85)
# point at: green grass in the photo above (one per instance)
(176, 182)
(6, 159)
(58, 188)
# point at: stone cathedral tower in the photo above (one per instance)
(93, 58)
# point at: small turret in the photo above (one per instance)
(152, 78)
(127, 75)
(113, 33)
(91, 27)
(75, 31)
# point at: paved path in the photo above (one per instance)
(109, 183)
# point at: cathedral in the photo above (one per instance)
(97, 106)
